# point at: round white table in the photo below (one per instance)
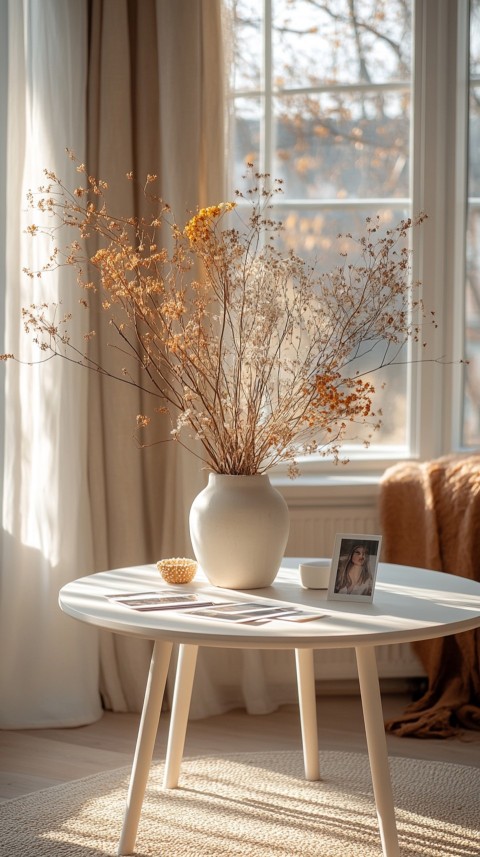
(409, 604)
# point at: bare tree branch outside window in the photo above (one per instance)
(322, 101)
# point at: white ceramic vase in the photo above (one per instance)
(239, 529)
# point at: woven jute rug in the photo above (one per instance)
(253, 805)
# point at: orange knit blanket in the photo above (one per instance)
(430, 517)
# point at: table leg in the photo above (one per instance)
(308, 711)
(187, 659)
(377, 749)
(147, 732)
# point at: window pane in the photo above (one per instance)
(247, 124)
(471, 421)
(343, 145)
(471, 427)
(474, 39)
(362, 41)
(315, 236)
(246, 23)
(330, 114)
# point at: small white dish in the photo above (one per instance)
(315, 574)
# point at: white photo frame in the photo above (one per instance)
(354, 567)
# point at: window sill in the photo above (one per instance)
(329, 489)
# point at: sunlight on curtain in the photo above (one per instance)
(155, 105)
(50, 676)
(127, 86)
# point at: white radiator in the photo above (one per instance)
(313, 529)
(312, 533)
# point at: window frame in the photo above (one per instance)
(439, 162)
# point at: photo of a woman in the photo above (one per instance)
(354, 567)
(354, 576)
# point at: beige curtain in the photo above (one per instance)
(48, 663)
(155, 105)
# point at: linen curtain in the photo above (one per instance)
(174, 128)
(155, 105)
(128, 86)
(48, 663)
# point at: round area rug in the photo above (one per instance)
(253, 805)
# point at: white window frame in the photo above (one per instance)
(439, 151)
(439, 187)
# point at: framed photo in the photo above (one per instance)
(354, 567)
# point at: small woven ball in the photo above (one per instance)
(177, 569)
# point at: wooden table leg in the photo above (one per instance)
(308, 711)
(187, 659)
(147, 732)
(377, 749)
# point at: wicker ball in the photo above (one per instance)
(177, 569)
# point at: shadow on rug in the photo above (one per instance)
(253, 805)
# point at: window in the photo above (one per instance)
(357, 106)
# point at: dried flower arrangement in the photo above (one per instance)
(257, 355)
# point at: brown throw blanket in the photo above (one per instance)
(430, 516)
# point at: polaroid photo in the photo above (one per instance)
(255, 613)
(166, 600)
(236, 611)
(354, 567)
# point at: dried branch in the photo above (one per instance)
(259, 358)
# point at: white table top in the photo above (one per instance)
(409, 604)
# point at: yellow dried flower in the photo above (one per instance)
(199, 227)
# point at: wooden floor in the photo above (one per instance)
(37, 759)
